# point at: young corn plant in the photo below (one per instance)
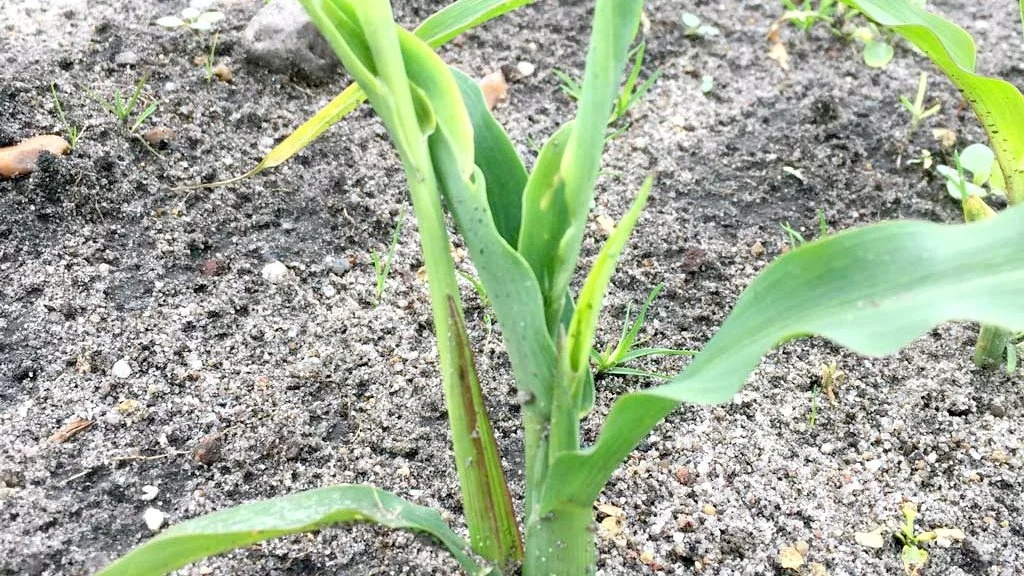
(872, 289)
(998, 104)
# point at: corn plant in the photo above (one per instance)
(998, 104)
(872, 289)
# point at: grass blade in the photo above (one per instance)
(307, 511)
(872, 290)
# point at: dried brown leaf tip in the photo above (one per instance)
(74, 426)
(20, 159)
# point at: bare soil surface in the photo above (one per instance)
(239, 388)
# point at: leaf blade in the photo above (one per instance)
(306, 511)
(872, 289)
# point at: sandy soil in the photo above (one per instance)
(306, 383)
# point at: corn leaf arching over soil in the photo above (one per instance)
(872, 290)
(306, 511)
(998, 104)
(437, 30)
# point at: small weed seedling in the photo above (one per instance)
(611, 361)
(193, 19)
(695, 27)
(123, 108)
(804, 16)
(918, 113)
(796, 239)
(985, 175)
(381, 268)
(914, 555)
(831, 375)
(74, 132)
(629, 96)
(208, 64)
(485, 302)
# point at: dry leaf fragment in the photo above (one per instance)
(945, 537)
(494, 87)
(944, 136)
(790, 558)
(779, 53)
(871, 539)
(74, 426)
(817, 569)
(605, 224)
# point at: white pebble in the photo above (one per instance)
(149, 492)
(329, 291)
(122, 369)
(154, 518)
(275, 272)
(526, 68)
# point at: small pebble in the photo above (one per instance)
(404, 471)
(337, 266)
(329, 291)
(526, 68)
(222, 72)
(149, 492)
(275, 272)
(757, 249)
(494, 87)
(208, 451)
(159, 137)
(709, 510)
(121, 369)
(154, 518)
(997, 410)
(126, 58)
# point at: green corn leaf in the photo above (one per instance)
(998, 104)
(510, 284)
(872, 290)
(457, 17)
(307, 511)
(588, 309)
(557, 201)
(437, 30)
(498, 161)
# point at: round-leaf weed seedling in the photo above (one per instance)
(193, 18)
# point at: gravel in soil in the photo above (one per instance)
(224, 345)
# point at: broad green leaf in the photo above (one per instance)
(556, 202)
(437, 30)
(873, 290)
(307, 511)
(498, 161)
(998, 104)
